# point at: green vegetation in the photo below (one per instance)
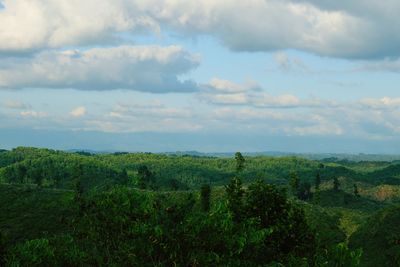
(142, 209)
(205, 194)
(29, 213)
(380, 238)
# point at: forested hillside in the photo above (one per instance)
(143, 209)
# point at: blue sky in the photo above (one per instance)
(213, 76)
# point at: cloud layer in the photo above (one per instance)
(140, 68)
(357, 29)
(94, 46)
(371, 118)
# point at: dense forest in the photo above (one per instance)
(142, 209)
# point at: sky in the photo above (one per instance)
(212, 76)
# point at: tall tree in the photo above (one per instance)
(336, 184)
(21, 172)
(234, 194)
(239, 162)
(37, 175)
(144, 176)
(356, 193)
(304, 191)
(205, 194)
(173, 184)
(78, 190)
(317, 196)
(77, 172)
(269, 205)
(294, 182)
(123, 177)
(317, 181)
(2, 249)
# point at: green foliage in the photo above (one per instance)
(331, 198)
(57, 251)
(325, 225)
(68, 209)
(336, 184)
(56, 169)
(300, 189)
(145, 176)
(317, 181)
(294, 182)
(239, 162)
(37, 252)
(356, 190)
(205, 195)
(168, 232)
(379, 237)
(60, 172)
(126, 227)
(266, 202)
(317, 197)
(269, 206)
(234, 195)
(30, 213)
(338, 256)
(3, 249)
(304, 191)
(123, 177)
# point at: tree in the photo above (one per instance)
(239, 162)
(234, 194)
(2, 249)
(336, 184)
(145, 176)
(173, 184)
(338, 255)
(286, 222)
(123, 177)
(266, 202)
(317, 181)
(205, 195)
(356, 190)
(78, 190)
(37, 176)
(317, 196)
(304, 191)
(77, 172)
(21, 172)
(294, 182)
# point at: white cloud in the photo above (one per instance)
(14, 104)
(37, 24)
(317, 125)
(344, 119)
(145, 117)
(33, 114)
(352, 29)
(317, 129)
(255, 99)
(225, 86)
(383, 103)
(225, 92)
(141, 68)
(78, 112)
(150, 110)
